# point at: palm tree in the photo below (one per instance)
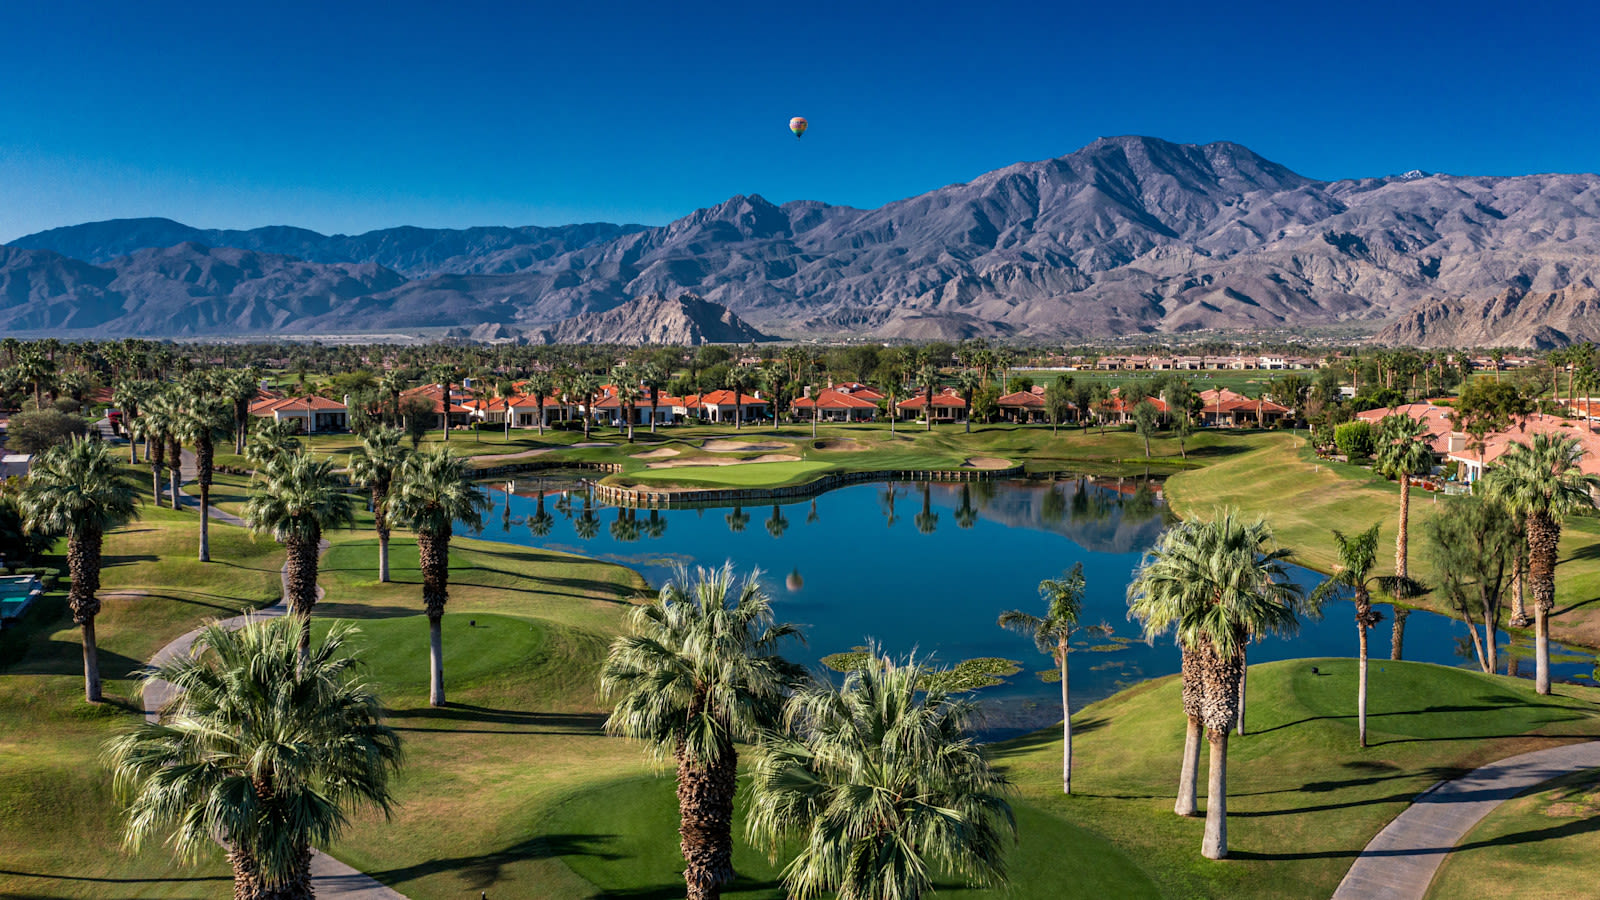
(151, 426)
(1542, 483)
(700, 672)
(240, 388)
(391, 385)
(737, 519)
(262, 746)
(541, 386)
(929, 374)
(586, 387)
(969, 384)
(967, 514)
(374, 465)
(926, 521)
(1358, 555)
(296, 498)
(740, 377)
(1402, 452)
(881, 787)
(129, 395)
(1216, 585)
(445, 376)
(203, 419)
(627, 397)
(654, 379)
(77, 490)
(1052, 634)
(433, 491)
(269, 440)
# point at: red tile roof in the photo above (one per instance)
(1026, 399)
(947, 397)
(829, 398)
(295, 405)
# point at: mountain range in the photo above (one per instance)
(1129, 235)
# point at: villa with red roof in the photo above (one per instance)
(720, 407)
(308, 415)
(1222, 408)
(948, 406)
(834, 405)
(1024, 406)
(610, 410)
(459, 414)
(1119, 411)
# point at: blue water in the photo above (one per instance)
(929, 567)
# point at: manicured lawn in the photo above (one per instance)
(765, 474)
(1538, 845)
(1304, 799)
(59, 834)
(1305, 498)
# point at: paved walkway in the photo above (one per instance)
(1400, 862)
(188, 471)
(330, 878)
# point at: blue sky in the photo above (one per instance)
(347, 117)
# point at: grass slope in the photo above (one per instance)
(1538, 845)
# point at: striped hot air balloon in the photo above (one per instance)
(798, 125)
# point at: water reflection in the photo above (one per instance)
(883, 561)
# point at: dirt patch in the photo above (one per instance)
(722, 446)
(661, 453)
(841, 445)
(986, 462)
(681, 463)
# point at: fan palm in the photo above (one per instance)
(1358, 555)
(296, 498)
(151, 426)
(374, 465)
(262, 746)
(737, 519)
(1216, 585)
(699, 672)
(586, 387)
(654, 380)
(882, 788)
(627, 398)
(540, 386)
(539, 523)
(203, 419)
(129, 395)
(1541, 482)
(777, 524)
(1402, 452)
(1052, 634)
(926, 521)
(240, 388)
(432, 492)
(77, 490)
(269, 440)
(929, 374)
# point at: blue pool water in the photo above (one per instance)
(929, 567)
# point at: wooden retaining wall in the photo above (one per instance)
(535, 465)
(658, 498)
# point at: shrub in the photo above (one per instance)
(1354, 440)
(38, 430)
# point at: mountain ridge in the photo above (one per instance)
(1128, 235)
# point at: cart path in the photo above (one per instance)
(1400, 862)
(330, 878)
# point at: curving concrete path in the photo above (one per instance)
(1400, 862)
(330, 878)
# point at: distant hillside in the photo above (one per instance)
(1127, 235)
(685, 320)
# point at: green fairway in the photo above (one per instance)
(1538, 845)
(1305, 498)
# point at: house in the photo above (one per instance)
(308, 415)
(720, 407)
(1442, 435)
(1222, 408)
(834, 405)
(610, 409)
(948, 406)
(1024, 406)
(1474, 460)
(857, 389)
(1118, 411)
(459, 414)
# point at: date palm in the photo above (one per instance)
(1215, 584)
(1358, 555)
(391, 385)
(699, 672)
(433, 491)
(1052, 634)
(654, 380)
(374, 465)
(296, 498)
(881, 787)
(77, 490)
(1402, 452)
(203, 419)
(129, 395)
(240, 388)
(263, 747)
(929, 375)
(586, 387)
(1541, 482)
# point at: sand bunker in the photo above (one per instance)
(765, 458)
(841, 445)
(661, 453)
(721, 446)
(986, 462)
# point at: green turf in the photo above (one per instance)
(762, 474)
(1540, 844)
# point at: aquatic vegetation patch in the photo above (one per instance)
(971, 674)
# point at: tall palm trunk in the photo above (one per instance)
(1214, 845)
(1519, 609)
(157, 457)
(380, 521)
(300, 582)
(1365, 619)
(1400, 560)
(705, 829)
(175, 470)
(1220, 678)
(1189, 767)
(83, 564)
(248, 884)
(1244, 680)
(1544, 535)
(927, 411)
(1066, 720)
(204, 453)
(433, 549)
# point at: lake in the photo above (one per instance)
(928, 567)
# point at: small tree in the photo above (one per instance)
(1058, 402)
(1052, 634)
(1145, 417)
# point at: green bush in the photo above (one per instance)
(1354, 440)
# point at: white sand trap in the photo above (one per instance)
(661, 453)
(681, 463)
(986, 462)
(721, 446)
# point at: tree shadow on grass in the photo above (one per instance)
(542, 722)
(1534, 836)
(46, 876)
(484, 871)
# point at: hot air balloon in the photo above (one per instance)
(798, 125)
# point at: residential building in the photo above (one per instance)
(948, 406)
(308, 415)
